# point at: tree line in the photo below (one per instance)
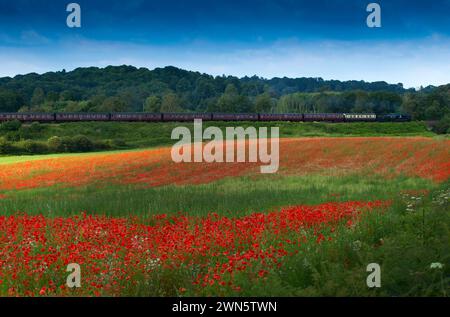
(169, 89)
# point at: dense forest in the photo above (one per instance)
(169, 89)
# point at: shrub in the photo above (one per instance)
(36, 127)
(67, 144)
(116, 143)
(443, 125)
(6, 147)
(55, 144)
(81, 143)
(12, 136)
(24, 133)
(11, 125)
(102, 145)
(32, 147)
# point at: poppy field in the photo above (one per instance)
(139, 224)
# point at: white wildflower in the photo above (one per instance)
(356, 245)
(436, 265)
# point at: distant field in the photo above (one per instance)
(140, 135)
(413, 156)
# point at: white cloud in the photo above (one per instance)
(32, 37)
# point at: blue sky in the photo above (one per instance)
(294, 38)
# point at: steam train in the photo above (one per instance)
(185, 117)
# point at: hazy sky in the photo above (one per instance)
(294, 38)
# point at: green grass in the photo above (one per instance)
(404, 243)
(230, 196)
(138, 135)
(26, 158)
(4, 160)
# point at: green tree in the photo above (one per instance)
(229, 100)
(13, 125)
(38, 97)
(263, 103)
(52, 96)
(231, 90)
(362, 103)
(183, 86)
(55, 144)
(443, 125)
(74, 106)
(10, 101)
(411, 105)
(243, 104)
(171, 103)
(82, 143)
(113, 104)
(433, 111)
(152, 104)
(6, 147)
(296, 103)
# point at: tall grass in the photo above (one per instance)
(230, 196)
(403, 241)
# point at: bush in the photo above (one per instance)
(10, 125)
(81, 143)
(24, 133)
(55, 144)
(6, 147)
(12, 136)
(32, 147)
(102, 145)
(67, 144)
(36, 127)
(443, 125)
(116, 143)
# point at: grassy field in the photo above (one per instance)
(229, 197)
(404, 239)
(142, 226)
(141, 135)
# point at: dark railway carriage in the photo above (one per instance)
(235, 117)
(295, 117)
(14, 116)
(71, 117)
(28, 117)
(42, 117)
(136, 117)
(185, 117)
(326, 117)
